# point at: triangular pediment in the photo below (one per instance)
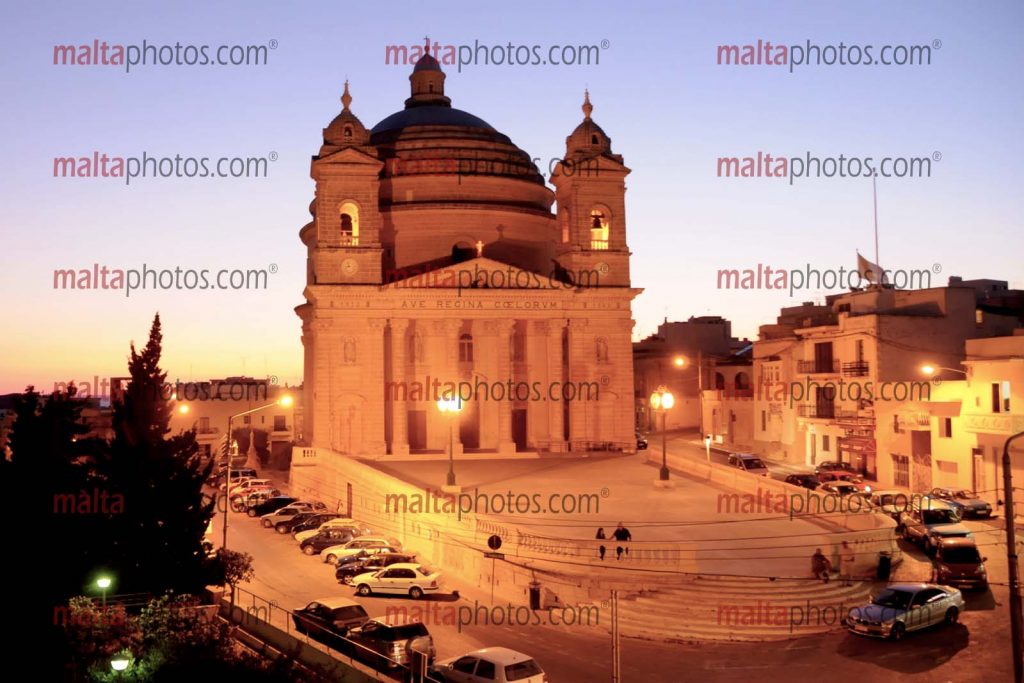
(349, 155)
(479, 273)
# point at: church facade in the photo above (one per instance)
(438, 270)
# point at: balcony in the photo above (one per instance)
(817, 367)
(349, 240)
(817, 411)
(855, 369)
(599, 245)
(207, 430)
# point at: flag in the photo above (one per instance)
(869, 271)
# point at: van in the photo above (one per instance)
(748, 462)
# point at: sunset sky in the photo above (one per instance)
(657, 90)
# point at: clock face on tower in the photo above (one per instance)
(349, 267)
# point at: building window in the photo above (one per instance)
(348, 132)
(825, 445)
(946, 427)
(598, 229)
(280, 424)
(1001, 397)
(204, 425)
(602, 350)
(764, 421)
(466, 348)
(900, 470)
(564, 216)
(348, 215)
(349, 351)
(247, 419)
(979, 316)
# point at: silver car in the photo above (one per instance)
(904, 607)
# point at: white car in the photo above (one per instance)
(238, 489)
(905, 607)
(403, 578)
(337, 521)
(330, 555)
(498, 664)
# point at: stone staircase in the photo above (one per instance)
(725, 608)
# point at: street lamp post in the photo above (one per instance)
(929, 369)
(104, 583)
(451, 407)
(1011, 556)
(283, 401)
(661, 401)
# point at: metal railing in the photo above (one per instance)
(817, 367)
(857, 368)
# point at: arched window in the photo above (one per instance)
(593, 139)
(598, 228)
(602, 350)
(466, 348)
(348, 132)
(742, 382)
(719, 381)
(564, 218)
(348, 216)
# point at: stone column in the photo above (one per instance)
(556, 374)
(537, 421)
(447, 331)
(373, 343)
(399, 404)
(503, 329)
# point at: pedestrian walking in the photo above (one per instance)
(622, 535)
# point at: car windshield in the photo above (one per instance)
(939, 517)
(521, 670)
(853, 478)
(965, 495)
(752, 463)
(424, 570)
(967, 555)
(893, 598)
(404, 632)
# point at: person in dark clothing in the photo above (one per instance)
(621, 533)
(601, 551)
(600, 533)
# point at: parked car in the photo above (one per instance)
(331, 554)
(219, 478)
(965, 501)
(959, 563)
(328, 617)
(243, 503)
(288, 511)
(247, 484)
(498, 664)
(371, 563)
(905, 607)
(849, 477)
(807, 481)
(328, 538)
(336, 522)
(841, 488)
(310, 519)
(748, 462)
(833, 466)
(929, 519)
(641, 442)
(390, 640)
(403, 578)
(270, 505)
(891, 502)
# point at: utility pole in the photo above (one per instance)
(1011, 556)
(616, 643)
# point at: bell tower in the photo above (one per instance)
(590, 188)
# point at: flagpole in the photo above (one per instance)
(874, 193)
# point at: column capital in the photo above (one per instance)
(399, 325)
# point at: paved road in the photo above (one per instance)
(975, 650)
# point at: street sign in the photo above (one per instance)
(495, 556)
(494, 542)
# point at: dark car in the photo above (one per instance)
(328, 537)
(323, 619)
(959, 563)
(272, 504)
(834, 466)
(641, 442)
(392, 638)
(306, 520)
(966, 502)
(243, 503)
(370, 563)
(807, 481)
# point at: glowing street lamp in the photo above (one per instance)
(662, 401)
(104, 583)
(120, 663)
(452, 407)
(679, 361)
(284, 401)
(929, 370)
